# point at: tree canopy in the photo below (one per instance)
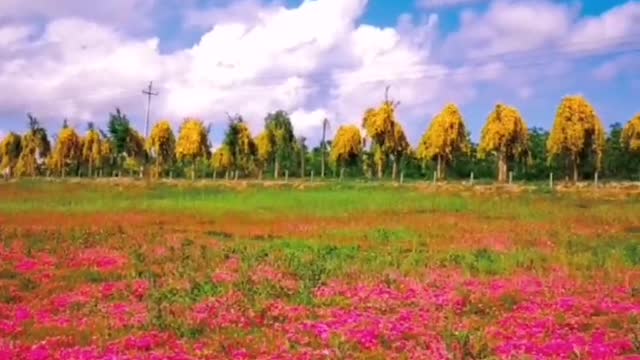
(577, 134)
(445, 138)
(505, 135)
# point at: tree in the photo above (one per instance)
(630, 136)
(222, 160)
(239, 142)
(119, 130)
(67, 152)
(537, 166)
(380, 125)
(506, 135)
(162, 145)
(92, 149)
(398, 148)
(10, 150)
(445, 138)
(577, 134)
(264, 151)
(323, 145)
(192, 142)
(347, 146)
(35, 147)
(301, 152)
(278, 126)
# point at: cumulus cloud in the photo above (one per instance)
(316, 60)
(112, 12)
(441, 4)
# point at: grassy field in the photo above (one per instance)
(102, 270)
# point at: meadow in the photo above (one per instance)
(244, 270)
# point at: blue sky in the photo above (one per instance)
(315, 59)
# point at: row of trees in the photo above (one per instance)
(575, 147)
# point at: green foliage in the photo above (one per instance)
(239, 144)
(280, 131)
(119, 131)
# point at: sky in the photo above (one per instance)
(80, 60)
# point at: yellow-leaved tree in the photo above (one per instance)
(630, 136)
(193, 143)
(381, 126)
(264, 147)
(162, 146)
(506, 136)
(92, 150)
(445, 138)
(576, 134)
(67, 152)
(222, 160)
(35, 147)
(398, 148)
(10, 150)
(346, 146)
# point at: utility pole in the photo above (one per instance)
(149, 92)
(325, 123)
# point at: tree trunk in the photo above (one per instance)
(90, 166)
(276, 169)
(575, 170)
(379, 165)
(439, 168)
(394, 169)
(157, 167)
(341, 172)
(502, 168)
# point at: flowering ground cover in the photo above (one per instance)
(140, 271)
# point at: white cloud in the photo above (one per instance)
(623, 64)
(440, 4)
(238, 11)
(250, 61)
(113, 12)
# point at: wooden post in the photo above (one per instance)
(551, 180)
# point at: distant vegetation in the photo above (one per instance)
(577, 147)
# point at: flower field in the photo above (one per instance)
(197, 271)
